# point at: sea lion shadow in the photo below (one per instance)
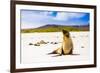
(64, 55)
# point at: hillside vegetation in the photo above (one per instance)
(56, 28)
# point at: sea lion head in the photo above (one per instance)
(66, 33)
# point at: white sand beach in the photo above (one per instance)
(39, 54)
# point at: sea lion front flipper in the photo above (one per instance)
(71, 52)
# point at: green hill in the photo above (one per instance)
(56, 28)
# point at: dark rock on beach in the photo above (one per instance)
(30, 43)
(54, 43)
(42, 42)
(37, 44)
(82, 46)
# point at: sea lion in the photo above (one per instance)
(67, 45)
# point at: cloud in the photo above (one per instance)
(65, 16)
(76, 15)
(26, 25)
(61, 16)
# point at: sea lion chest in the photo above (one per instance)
(67, 45)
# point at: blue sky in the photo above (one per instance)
(37, 18)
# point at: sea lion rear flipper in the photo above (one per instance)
(57, 51)
(54, 52)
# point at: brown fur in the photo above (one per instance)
(67, 45)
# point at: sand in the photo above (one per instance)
(39, 54)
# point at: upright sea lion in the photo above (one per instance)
(67, 45)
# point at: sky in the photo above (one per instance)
(37, 18)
